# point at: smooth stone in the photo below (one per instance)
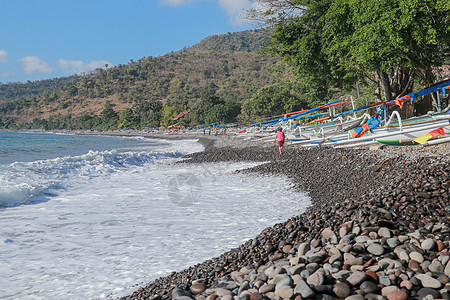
(341, 274)
(296, 278)
(287, 248)
(231, 285)
(294, 261)
(356, 230)
(372, 275)
(343, 231)
(427, 244)
(447, 269)
(352, 260)
(303, 289)
(414, 265)
(284, 282)
(183, 298)
(236, 274)
(397, 295)
(428, 281)
(384, 232)
(388, 261)
(362, 239)
(333, 251)
(285, 292)
(436, 267)
(267, 288)
(296, 269)
(369, 287)
(305, 273)
(424, 292)
(444, 259)
(328, 233)
(406, 284)
(440, 246)
(178, 293)
(355, 297)
(444, 279)
(222, 292)
(355, 268)
(227, 297)
(303, 248)
(356, 278)
(376, 249)
(330, 268)
(384, 280)
(417, 257)
(244, 286)
(388, 289)
(280, 277)
(374, 297)
(255, 296)
(346, 248)
(335, 257)
(198, 288)
(315, 279)
(317, 257)
(392, 242)
(403, 256)
(341, 290)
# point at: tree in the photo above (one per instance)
(223, 113)
(145, 111)
(109, 118)
(167, 115)
(128, 119)
(202, 107)
(390, 42)
(271, 101)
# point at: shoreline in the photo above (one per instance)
(377, 228)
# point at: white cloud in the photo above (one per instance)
(33, 64)
(3, 56)
(77, 66)
(235, 9)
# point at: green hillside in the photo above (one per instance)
(229, 67)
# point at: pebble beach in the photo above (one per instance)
(378, 228)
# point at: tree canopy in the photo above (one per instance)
(393, 43)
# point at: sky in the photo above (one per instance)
(41, 39)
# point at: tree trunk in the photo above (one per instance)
(385, 85)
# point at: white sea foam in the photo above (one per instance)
(126, 223)
(30, 182)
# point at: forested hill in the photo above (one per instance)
(227, 66)
(245, 41)
(15, 90)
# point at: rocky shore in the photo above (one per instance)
(379, 228)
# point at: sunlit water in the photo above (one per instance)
(96, 224)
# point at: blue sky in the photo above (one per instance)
(43, 39)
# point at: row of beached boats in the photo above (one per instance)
(347, 129)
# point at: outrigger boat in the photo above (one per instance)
(395, 130)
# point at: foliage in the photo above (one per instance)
(271, 101)
(128, 119)
(200, 110)
(341, 42)
(223, 113)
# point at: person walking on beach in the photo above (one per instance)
(280, 137)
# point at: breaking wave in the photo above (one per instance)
(24, 183)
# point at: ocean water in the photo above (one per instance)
(94, 217)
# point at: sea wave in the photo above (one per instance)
(24, 183)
